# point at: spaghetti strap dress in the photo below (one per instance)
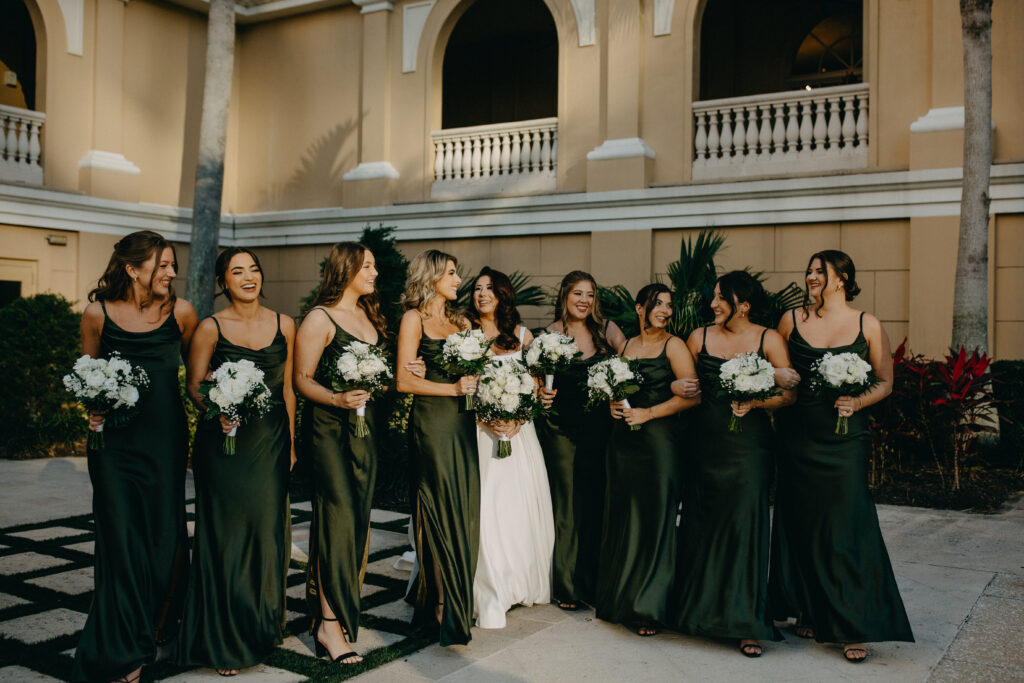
(829, 564)
(447, 503)
(236, 596)
(138, 482)
(636, 575)
(344, 468)
(724, 535)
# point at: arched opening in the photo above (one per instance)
(749, 47)
(500, 65)
(17, 56)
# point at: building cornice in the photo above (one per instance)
(276, 9)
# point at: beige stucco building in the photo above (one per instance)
(538, 135)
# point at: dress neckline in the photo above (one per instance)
(664, 347)
(803, 340)
(335, 322)
(221, 337)
(108, 319)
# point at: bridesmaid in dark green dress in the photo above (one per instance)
(725, 531)
(236, 595)
(344, 466)
(574, 441)
(829, 565)
(138, 478)
(443, 450)
(637, 570)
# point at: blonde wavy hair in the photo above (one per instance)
(426, 269)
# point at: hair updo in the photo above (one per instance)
(647, 297)
(843, 266)
(739, 286)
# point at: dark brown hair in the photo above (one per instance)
(647, 297)
(505, 314)
(739, 286)
(842, 264)
(342, 265)
(220, 269)
(595, 321)
(132, 250)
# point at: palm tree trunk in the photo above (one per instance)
(220, 59)
(970, 298)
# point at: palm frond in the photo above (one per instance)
(618, 305)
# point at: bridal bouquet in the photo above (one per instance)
(506, 392)
(237, 391)
(111, 386)
(747, 377)
(465, 353)
(613, 379)
(841, 374)
(365, 367)
(549, 353)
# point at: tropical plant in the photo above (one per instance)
(619, 306)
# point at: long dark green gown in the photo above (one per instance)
(235, 604)
(829, 565)
(138, 482)
(447, 508)
(574, 441)
(344, 473)
(725, 531)
(636, 576)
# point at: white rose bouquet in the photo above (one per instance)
(549, 353)
(506, 392)
(613, 380)
(841, 374)
(236, 391)
(361, 367)
(747, 377)
(111, 386)
(465, 353)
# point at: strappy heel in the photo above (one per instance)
(323, 651)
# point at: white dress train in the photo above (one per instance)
(517, 528)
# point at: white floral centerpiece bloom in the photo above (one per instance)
(841, 374)
(747, 377)
(236, 391)
(551, 353)
(465, 353)
(111, 386)
(361, 366)
(507, 392)
(613, 379)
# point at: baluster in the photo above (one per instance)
(485, 156)
(751, 141)
(448, 158)
(862, 121)
(526, 155)
(506, 152)
(535, 153)
(713, 140)
(34, 148)
(438, 159)
(3, 138)
(516, 153)
(700, 140)
(849, 126)
(545, 151)
(476, 156)
(820, 127)
(496, 154)
(834, 123)
(792, 129)
(739, 134)
(806, 126)
(764, 136)
(23, 141)
(726, 136)
(12, 139)
(554, 150)
(778, 132)
(457, 159)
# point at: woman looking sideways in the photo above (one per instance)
(138, 478)
(723, 554)
(829, 565)
(443, 451)
(236, 596)
(574, 441)
(637, 570)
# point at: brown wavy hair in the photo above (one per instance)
(847, 272)
(220, 269)
(134, 250)
(595, 321)
(505, 314)
(425, 271)
(647, 297)
(343, 263)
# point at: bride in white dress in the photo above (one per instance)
(517, 529)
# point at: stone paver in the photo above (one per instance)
(74, 582)
(19, 674)
(48, 533)
(35, 628)
(27, 562)
(10, 601)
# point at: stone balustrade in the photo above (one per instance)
(19, 145)
(822, 129)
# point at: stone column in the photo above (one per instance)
(372, 182)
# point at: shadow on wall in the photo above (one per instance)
(317, 182)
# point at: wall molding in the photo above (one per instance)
(584, 11)
(73, 12)
(414, 19)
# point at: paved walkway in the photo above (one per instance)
(961, 576)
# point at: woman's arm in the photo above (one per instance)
(187, 319)
(408, 342)
(683, 368)
(203, 342)
(615, 337)
(91, 328)
(787, 377)
(777, 352)
(880, 357)
(288, 391)
(313, 336)
(687, 387)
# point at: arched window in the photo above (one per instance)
(500, 65)
(17, 55)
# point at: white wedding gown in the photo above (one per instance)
(517, 528)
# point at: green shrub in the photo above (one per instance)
(39, 343)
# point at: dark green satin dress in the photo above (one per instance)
(344, 473)
(574, 441)
(724, 537)
(636, 576)
(447, 506)
(138, 483)
(829, 565)
(236, 597)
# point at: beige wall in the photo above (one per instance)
(1009, 286)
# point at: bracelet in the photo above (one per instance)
(860, 403)
(651, 411)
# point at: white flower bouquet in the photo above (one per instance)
(465, 353)
(111, 386)
(506, 392)
(841, 374)
(236, 391)
(550, 353)
(747, 377)
(361, 367)
(613, 380)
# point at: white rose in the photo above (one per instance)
(128, 394)
(510, 402)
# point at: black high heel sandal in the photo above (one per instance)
(322, 651)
